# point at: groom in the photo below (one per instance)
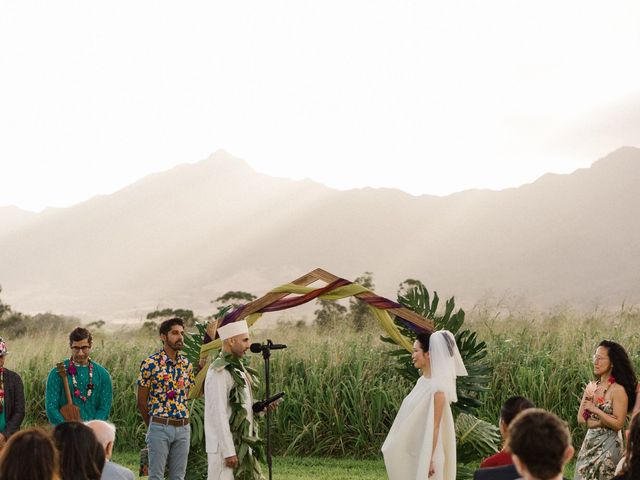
(228, 397)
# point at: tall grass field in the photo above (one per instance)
(342, 391)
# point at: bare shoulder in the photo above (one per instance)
(618, 389)
(618, 393)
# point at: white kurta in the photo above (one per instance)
(408, 446)
(217, 413)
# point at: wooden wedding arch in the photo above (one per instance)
(298, 292)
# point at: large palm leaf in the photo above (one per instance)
(475, 438)
(472, 350)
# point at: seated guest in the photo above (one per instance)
(507, 472)
(30, 455)
(631, 460)
(512, 407)
(540, 444)
(12, 402)
(81, 456)
(106, 434)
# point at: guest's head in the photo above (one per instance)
(510, 409)
(540, 444)
(172, 334)
(611, 359)
(631, 465)
(105, 433)
(81, 455)
(30, 455)
(80, 342)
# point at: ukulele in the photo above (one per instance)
(70, 412)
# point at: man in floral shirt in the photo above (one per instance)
(163, 388)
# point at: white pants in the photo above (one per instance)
(216, 468)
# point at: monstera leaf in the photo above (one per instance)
(475, 438)
(472, 350)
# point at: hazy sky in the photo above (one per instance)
(426, 96)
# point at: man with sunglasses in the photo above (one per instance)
(89, 383)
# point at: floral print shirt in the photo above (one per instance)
(168, 383)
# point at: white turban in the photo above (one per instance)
(233, 329)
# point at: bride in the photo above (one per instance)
(422, 441)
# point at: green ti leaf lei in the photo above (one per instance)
(249, 447)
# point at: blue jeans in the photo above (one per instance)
(168, 443)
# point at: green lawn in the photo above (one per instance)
(301, 468)
(312, 468)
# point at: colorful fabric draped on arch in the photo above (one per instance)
(335, 290)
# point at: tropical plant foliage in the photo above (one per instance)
(472, 350)
(197, 454)
(475, 437)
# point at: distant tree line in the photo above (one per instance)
(329, 314)
(231, 299)
(15, 324)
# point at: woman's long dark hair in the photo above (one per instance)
(631, 465)
(622, 370)
(81, 455)
(29, 455)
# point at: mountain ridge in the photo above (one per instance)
(186, 235)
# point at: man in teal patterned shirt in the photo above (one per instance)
(89, 382)
(163, 389)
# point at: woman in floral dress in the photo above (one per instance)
(604, 408)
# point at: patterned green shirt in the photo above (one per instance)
(97, 406)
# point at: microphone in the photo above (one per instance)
(261, 405)
(258, 347)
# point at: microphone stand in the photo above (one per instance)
(266, 355)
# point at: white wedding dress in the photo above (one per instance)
(408, 446)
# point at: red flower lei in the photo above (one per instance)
(599, 401)
(72, 370)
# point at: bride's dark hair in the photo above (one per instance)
(622, 370)
(423, 338)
